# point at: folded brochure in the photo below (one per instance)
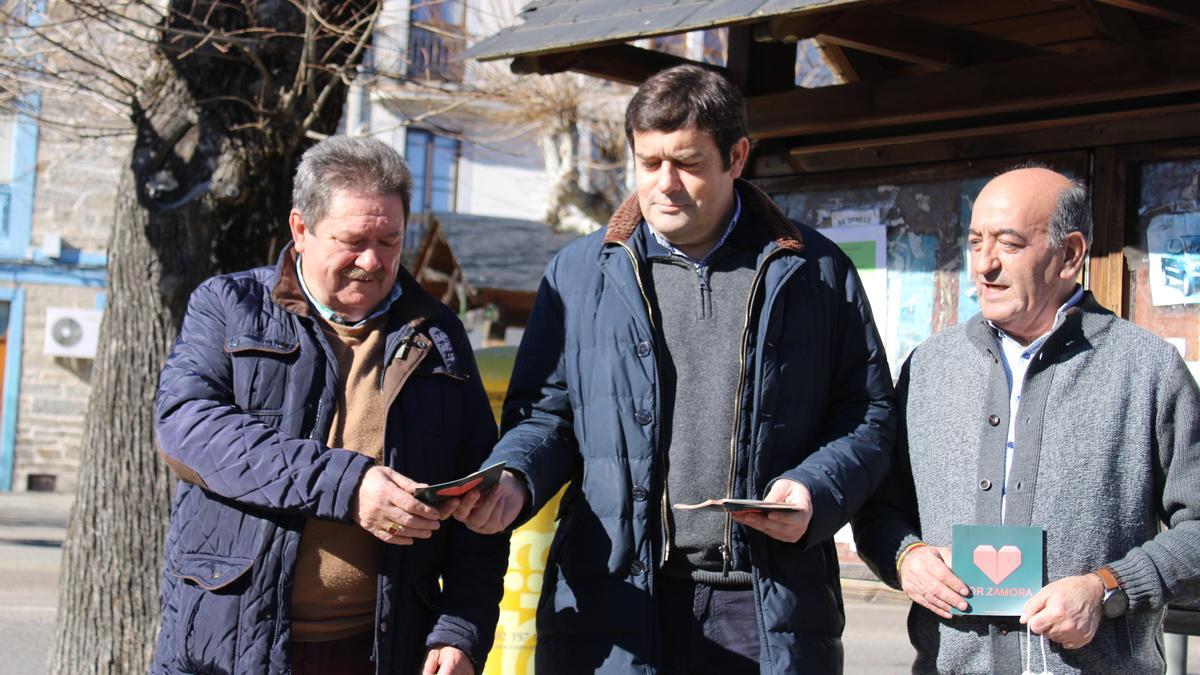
(1001, 564)
(480, 480)
(731, 505)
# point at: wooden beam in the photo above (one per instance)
(852, 66)
(897, 36)
(836, 58)
(433, 275)
(1111, 25)
(1008, 129)
(1011, 140)
(1106, 271)
(1186, 12)
(620, 63)
(759, 67)
(793, 28)
(1075, 163)
(906, 38)
(1155, 68)
(453, 287)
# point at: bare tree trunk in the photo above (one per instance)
(207, 191)
(560, 153)
(108, 588)
(108, 599)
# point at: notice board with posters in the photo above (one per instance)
(1164, 255)
(923, 216)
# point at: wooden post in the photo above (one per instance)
(1107, 271)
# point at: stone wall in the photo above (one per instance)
(76, 189)
(54, 394)
(74, 197)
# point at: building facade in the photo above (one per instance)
(56, 202)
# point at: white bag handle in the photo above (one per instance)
(1027, 660)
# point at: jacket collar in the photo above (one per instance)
(1084, 321)
(286, 291)
(757, 208)
(415, 306)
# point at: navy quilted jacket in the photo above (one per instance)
(816, 406)
(244, 405)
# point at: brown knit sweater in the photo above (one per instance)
(334, 593)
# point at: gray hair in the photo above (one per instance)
(348, 163)
(1072, 209)
(1072, 213)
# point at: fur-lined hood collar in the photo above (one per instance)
(756, 203)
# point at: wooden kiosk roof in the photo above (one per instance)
(918, 73)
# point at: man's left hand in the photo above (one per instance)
(1067, 611)
(447, 661)
(785, 526)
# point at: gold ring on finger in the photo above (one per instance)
(393, 529)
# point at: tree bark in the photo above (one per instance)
(207, 191)
(108, 586)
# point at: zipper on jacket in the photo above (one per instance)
(666, 526)
(705, 294)
(727, 545)
(279, 594)
(637, 274)
(317, 419)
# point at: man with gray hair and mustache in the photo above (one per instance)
(1047, 410)
(302, 407)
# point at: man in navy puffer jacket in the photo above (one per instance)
(302, 406)
(702, 346)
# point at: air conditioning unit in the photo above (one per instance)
(72, 332)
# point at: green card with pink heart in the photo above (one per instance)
(1002, 565)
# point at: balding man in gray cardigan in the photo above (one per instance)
(1046, 410)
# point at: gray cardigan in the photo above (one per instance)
(1108, 446)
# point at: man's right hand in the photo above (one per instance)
(928, 581)
(493, 511)
(385, 507)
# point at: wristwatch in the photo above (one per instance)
(1116, 601)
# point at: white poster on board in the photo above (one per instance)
(1173, 245)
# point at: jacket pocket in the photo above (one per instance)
(260, 370)
(271, 418)
(209, 598)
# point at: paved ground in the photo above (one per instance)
(32, 527)
(31, 532)
(875, 641)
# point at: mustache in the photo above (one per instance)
(357, 274)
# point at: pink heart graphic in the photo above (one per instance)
(997, 565)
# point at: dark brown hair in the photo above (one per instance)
(686, 96)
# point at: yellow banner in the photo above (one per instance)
(516, 635)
